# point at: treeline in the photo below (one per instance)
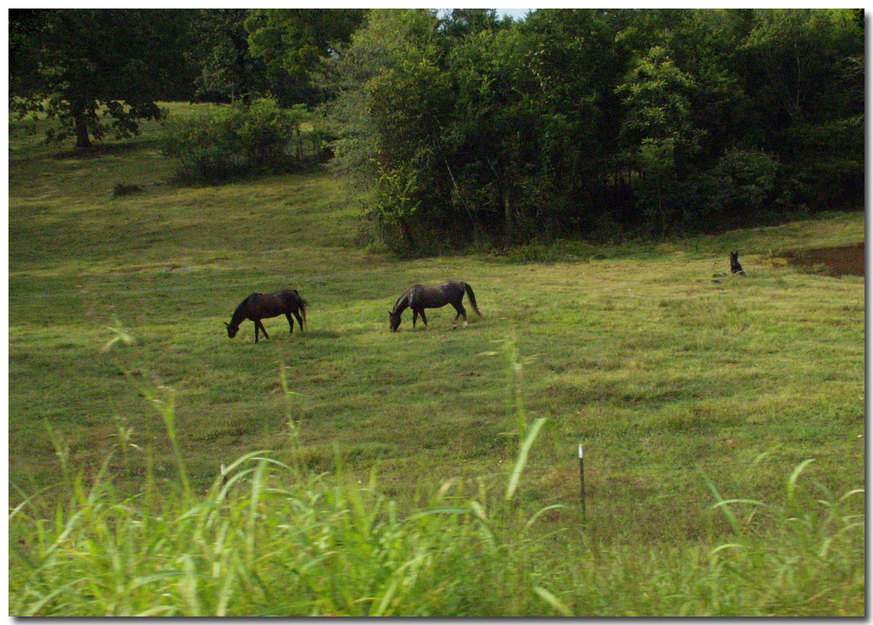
(600, 121)
(464, 126)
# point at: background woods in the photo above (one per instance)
(601, 121)
(595, 122)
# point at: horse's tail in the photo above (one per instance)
(472, 298)
(302, 306)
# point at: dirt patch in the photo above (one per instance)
(831, 261)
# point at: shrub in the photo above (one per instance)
(237, 140)
(121, 189)
(737, 190)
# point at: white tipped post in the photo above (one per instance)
(582, 480)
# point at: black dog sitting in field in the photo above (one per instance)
(736, 268)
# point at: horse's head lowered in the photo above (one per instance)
(394, 320)
(231, 330)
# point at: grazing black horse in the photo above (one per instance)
(258, 306)
(736, 268)
(419, 297)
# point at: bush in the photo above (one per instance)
(120, 189)
(238, 140)
(737, 190)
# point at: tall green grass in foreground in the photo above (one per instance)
(273, 539)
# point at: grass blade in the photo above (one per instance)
(521, 460)
(552, 600)
(795, 475)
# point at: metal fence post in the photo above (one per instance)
(582, 480)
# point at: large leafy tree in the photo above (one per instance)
(294, 42)
(576, 64)
(495, 129)
(392, 98)
(805, 69)
(460, 22)
(659, 138)
(226, 70)
(96, 70)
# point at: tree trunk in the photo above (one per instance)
(406, 233)
(507, 219)
(505, 199)
(83, 141)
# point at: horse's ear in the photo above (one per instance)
(227, 324)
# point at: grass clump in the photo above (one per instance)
(266, 539)
(273, 539)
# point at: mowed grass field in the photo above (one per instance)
(668, 376)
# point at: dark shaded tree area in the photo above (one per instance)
(95, 70)
(600, 121)
(466, 126)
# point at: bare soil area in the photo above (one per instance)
(835, 261)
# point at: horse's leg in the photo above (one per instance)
(462, 312)
(423, 318)
(414, 317)
(290, 322)
(263, 329)
(299, 320)
(256, 331)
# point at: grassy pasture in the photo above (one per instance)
(635, 350)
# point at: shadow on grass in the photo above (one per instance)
(322, 334)
(108, 149)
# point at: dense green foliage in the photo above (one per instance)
(488, 130)
(229, 142)
(293, 44)
(597, 121)
(239, 54)
(95, 70)
(225, 70)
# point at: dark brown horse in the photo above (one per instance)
(419, 297)
(258, 306)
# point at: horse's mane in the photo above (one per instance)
(402, 303)
(239, 314)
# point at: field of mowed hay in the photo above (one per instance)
(672, 374)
